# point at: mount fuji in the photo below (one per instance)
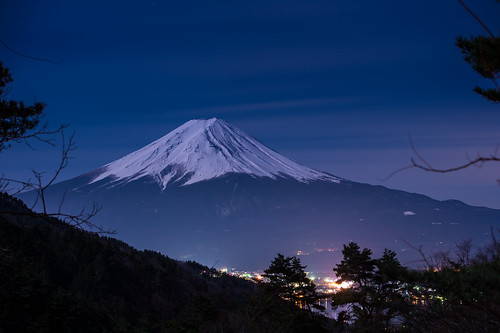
(201, 150)
(208, 192)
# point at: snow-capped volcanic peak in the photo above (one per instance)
(202, 149)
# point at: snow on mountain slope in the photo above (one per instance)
(203, 149)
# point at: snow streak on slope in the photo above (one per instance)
(203, 149)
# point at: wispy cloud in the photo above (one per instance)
(288, 105)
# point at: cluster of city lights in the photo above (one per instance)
(325, 285)
(250, 276)
(329, 285)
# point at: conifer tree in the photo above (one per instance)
(376, 295)
(287, 278)
(17, 121)
(21, 123)
(483, 54)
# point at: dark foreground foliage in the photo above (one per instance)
(459, 299)
(459, 294)
(55, 278)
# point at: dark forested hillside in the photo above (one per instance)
(56, 278)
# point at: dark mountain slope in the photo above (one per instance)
(55, 278)
(243, 221)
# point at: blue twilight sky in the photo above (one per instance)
(336, 85)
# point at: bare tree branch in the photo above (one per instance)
(68, 145)
(81, 220)
(42, 134)
(421, 163)
(415, 151)
(5, 185)
(463, 252)
(397, 171)
(477, 18)
(478, 161)
(21, 123)
(28, 56)
(418, 249)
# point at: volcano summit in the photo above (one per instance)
(207, 191)
(205, 149)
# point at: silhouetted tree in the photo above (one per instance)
(392, 290)
(376, 295)
(287, 278)
(19, 123)
(459, 293)
(483, 54)
(289, 298)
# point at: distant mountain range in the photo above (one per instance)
(207, 191)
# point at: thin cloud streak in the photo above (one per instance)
(251, 108)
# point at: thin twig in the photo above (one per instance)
(28, 56)
(82, 219)
(424, 165)
(397, 171)
(477, 19)
(418, 249)
(412, 146)
(478, 160)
